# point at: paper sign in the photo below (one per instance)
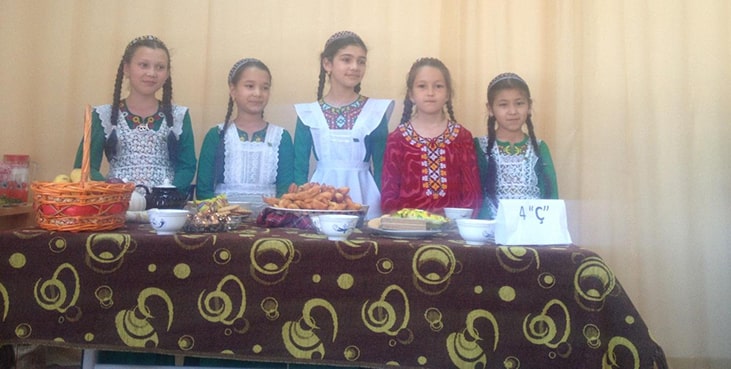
(531, 222)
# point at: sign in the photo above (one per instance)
(531, 222)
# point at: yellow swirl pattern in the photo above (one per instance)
(433, 266)
(270, 260)
(52, 294)
(544, 329)
(218, 306)
(105, 252)
(593, 282)
(516, 259)
(463, 347)
(300, 337)
(609, 360)
(382, 316)
(133, 325)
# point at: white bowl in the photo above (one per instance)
(457, 213)
(167, 221)
(476, 231)
(337, 227)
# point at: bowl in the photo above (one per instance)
(476, 231)
(337, 227)
(167, 221)
(457, 213)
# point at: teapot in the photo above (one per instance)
(164, 196)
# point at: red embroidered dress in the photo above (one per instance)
(430, 173)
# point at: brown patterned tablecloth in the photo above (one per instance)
(288, 295)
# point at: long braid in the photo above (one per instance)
(321, 83)
(221, 148)
(490, 180)
(540, 166)
(408, 110)
(110, 145)
(167, 109)
(450, 111)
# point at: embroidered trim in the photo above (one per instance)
(433, 157)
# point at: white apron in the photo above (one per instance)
(250, 170)
(341, 152)
(142, 153)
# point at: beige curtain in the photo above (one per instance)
(633, 98)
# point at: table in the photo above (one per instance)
(16, 216)
(289, 295)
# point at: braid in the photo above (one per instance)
(321, 83)
(539, 164)
(221, 148)
(450, 111)
(490, 181)
(167, 109)
(110, 144)
(357, 88)
(408, 109)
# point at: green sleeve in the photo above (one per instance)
(96, 149)
(285, 164)
(376, 146)
(205, 187)
(185, 163)
(302, 149)
(547, 182)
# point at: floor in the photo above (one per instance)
(40, 357)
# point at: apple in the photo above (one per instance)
(75, 175)
(114, 180)
(62, 178)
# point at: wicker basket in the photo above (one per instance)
(85, 205)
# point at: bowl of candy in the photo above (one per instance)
(215, 215)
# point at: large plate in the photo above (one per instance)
(375, 226)
(363, 210)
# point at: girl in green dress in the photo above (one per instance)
(513, 164)
(247, 157)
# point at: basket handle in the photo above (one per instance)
(85, 160)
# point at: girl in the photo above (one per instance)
(430, 160)
(146, 141)
(246, 158)
(345, 130)
(513, 165)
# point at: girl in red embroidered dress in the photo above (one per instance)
(430, 160)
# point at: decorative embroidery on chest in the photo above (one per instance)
(433, 159)
(342, 117)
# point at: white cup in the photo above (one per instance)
(336, 227)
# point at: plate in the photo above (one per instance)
(303, 212)
(375, 226)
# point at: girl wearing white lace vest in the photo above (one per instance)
(344, 130)
(513, 164)
(146, 141)
(247, 157)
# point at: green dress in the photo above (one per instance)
(205, 186)
(518, 175)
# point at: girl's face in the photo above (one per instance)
(429, 91)
(347, 67)
(251, 91)
(510, 109)
(147, 70)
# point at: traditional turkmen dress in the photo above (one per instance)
(430, 173)
(344, 140)
(256, 166)
(518, 176)
(142, 148)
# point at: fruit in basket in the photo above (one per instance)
(315, 196)
(62, 178)
(75, 175)
(114, 180)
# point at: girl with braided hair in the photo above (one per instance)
(430, 159)
(247, 157)
(344, 130)
(146, 141)
(513, 164)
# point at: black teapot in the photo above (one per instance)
(165, 196)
